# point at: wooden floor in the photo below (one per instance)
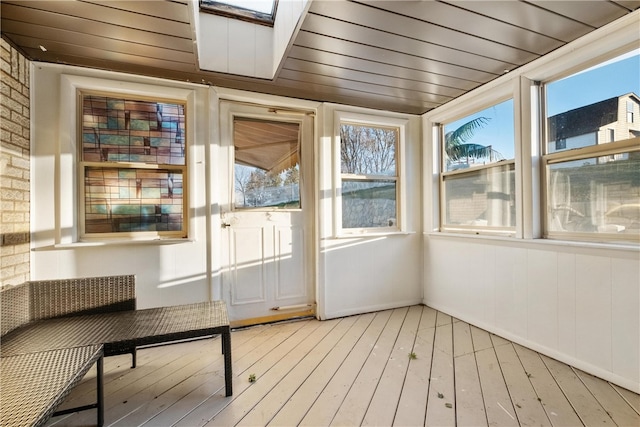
(409, 366)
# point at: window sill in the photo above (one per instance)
(118, 242)
(539, 242)
(372, 234)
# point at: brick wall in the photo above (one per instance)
(14, 167)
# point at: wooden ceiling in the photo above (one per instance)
(405, 56)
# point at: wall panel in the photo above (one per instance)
(580, 305)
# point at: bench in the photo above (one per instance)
(70, 325)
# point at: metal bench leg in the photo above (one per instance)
(100, 391)
(228, 374)
(99, 405)
(134, 355)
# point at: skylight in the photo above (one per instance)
(258, 11)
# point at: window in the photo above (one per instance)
(478, 172)
(370, 175)
(266, 164)
(133, 167)
(257, 11)
(593, 182)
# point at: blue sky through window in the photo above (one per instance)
(498, 132)
(607, 80)
(610, 79)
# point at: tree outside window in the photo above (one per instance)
(369, 176)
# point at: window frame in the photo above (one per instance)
(631, 145)
(368, 120)
(575, 154)
(507, 94)
(83, 165)
(222, 8)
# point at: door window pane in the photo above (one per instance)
(266, 169)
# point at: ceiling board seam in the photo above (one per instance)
(77, 17)
(71, 33)
(418, 40)
(416, 56)
(435, 24)
(372, 84)
(109, 5)
(387, 64)
(127, 53)
(373, 74)
(506, 22)
(559, 14)
(363, 91)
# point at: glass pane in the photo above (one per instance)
(366, 150)
(482, 138)
(257, 188)
(262, 6)
(259, 11)
(368, 204)
(485, 197)
(125, 200)
(595, 106)
(266, 170)
(123, 130)
(595, 195)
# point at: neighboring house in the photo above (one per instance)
(575, 190)
(613, 119)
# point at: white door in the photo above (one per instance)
(266, 213)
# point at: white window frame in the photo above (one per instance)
(502, 94)
(359, 119)
(68, 213)
(608, 149)
(83, 165)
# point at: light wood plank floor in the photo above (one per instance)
(357, 370)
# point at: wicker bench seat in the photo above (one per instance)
(33, 385)
(99, 312)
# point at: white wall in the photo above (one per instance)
(578, 302)
(353, 275)
(166, 274)
(579, 305)
(246, 48)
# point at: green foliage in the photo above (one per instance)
(458, 148)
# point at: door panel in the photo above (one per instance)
(290, 263)
(249, 266)
(266, 213)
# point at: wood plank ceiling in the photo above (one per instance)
(405, 56)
